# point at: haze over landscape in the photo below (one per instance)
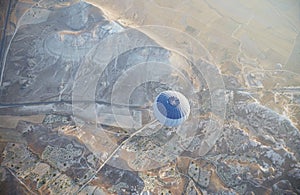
(79, 79)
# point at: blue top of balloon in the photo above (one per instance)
(169, 105)
(171, 108)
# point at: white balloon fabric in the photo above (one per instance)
(171, 108)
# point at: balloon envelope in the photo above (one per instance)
(171, 108)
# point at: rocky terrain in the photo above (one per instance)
(78, 79)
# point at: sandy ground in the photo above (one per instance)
(73, 76)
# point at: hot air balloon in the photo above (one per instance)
(171, 108)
